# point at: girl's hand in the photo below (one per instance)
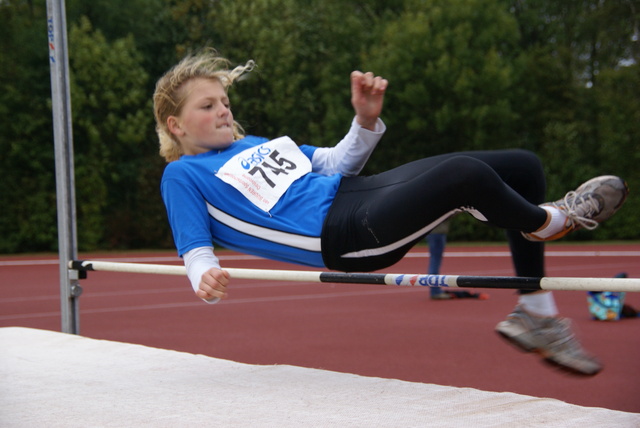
(213, 284)
(367, 96)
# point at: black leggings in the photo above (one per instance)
(375, 220)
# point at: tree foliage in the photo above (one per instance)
(28, 220)
(450, 73)
(111, 124)
(558, 78)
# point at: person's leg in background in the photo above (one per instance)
(437, 241)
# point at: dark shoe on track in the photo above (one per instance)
(450, 295)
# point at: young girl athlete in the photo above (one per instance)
(307, 205)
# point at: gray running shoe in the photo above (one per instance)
(550, 337)
(589, 205)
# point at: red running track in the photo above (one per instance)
(370, 330)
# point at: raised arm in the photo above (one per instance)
(349, 156)
(367, 97)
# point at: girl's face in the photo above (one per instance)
(205, 122)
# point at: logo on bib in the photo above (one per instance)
(264, 173)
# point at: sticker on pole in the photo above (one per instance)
(264, 173)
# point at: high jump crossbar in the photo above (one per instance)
(455, 281)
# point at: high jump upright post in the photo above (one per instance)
(70, 289)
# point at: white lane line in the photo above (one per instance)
(417, 254)
(198, 304)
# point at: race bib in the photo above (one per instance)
(263, 173)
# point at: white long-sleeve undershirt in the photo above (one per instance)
(198, 261)
(349, 156)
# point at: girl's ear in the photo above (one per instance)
(174, 126)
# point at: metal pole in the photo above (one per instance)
(65, 185)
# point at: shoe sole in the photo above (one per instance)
(570, 370)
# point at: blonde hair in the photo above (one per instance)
(168, 97)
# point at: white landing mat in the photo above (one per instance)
(50, 379)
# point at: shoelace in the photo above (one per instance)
(588, 205)
(562, 334)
